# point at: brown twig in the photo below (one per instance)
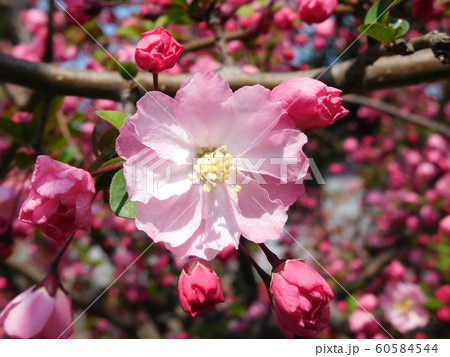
(372, 269)
(394, 111)
(206, 42)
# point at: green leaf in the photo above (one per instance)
(103, 181)
(118, 197)
(128, 70)
(107, 142)
(383, 33)
(162, 21)
(147, 25)
(180, 3)
(400, 26)
(99, 55)
(128, 32)
(179, 16)
(93, 28)
(7, 157)
(68, 153)
(22, 160)
(434, 304)
(115, 118)
(379, 12)
(12, 129)
(111, 162)
(245, 10)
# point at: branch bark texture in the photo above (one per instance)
(389, 70)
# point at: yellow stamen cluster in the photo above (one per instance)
(404, 305)
(214, 166)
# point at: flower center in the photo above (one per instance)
(215, 166)
(405, 305)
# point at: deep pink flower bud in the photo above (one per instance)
(325, 29)
(429, 215)
(82, 11)
(316, 11)
(443, 294)
(443, 314)
(60, 199)
(368, 301)
(284, 17)
(157, 50)
(309, 103)
(361, 323)
(154, 8)
(42, 311)
(395, 270)
(198, 288)
(444, 225)
(300, 299)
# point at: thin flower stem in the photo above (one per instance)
(155, 81)
(264, 276)
(48, 54)
(109, 168)
(58, 258)
(37, 142)
(271, 257)
(51, 281)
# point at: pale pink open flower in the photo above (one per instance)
(403, 306)
(209, 165)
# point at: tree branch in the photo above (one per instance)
(387, 72)
(393, 110)
(206, 42)
(372, 269)
(438, 42)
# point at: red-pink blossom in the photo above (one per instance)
(443, 314)
(60, 199)
(284, 17)
(199, 288)
(368, 301)
(325, 29)
(34, 19)
(300, 299)
(444, 225)
(154, 8)
(214, 193)
(204, 64)
(309, 103)
(363, 324)
(395, 270)
(38, 313)
(157, 50)
(81, 11)
(443, 294)
(316, 11)
(429, 215)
